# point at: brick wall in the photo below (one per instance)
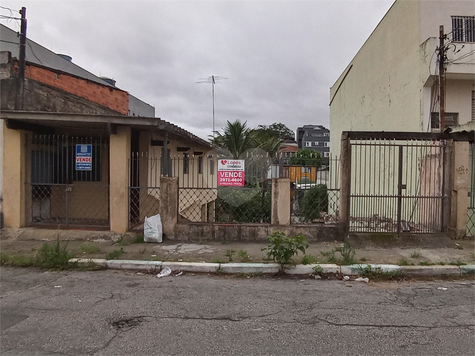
(113, 98)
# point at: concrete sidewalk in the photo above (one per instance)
(415, 254)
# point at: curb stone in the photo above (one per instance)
(357, 269)
(466, 270)
(202, 267)
(309, 269)
(249, 268)
(270, 268)
(431, 271)
(98, 261)
(131, 264)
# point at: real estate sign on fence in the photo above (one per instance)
(83, 157)
(231, 172)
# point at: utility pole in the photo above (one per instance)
(21, 61)
(442, 51)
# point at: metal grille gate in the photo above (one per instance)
(68, 181)
(398, 186)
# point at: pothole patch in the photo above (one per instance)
(127, 324)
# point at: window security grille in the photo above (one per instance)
(451, 119)
(463, 28)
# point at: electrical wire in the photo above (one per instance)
(33, 52)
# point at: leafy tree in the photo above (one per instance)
(306, 157)
(267, 142)
(236, 138)
(277, 129)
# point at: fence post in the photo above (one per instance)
(345, 183)
(280, 210)
(119, 153)
(169, 205)
(460, 182)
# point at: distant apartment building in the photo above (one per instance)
(315, 137)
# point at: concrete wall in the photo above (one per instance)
(42, 97)
(250, 232)
(113, 98)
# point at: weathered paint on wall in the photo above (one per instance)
(388, 84)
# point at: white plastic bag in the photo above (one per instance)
(152, 229)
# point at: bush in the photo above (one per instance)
(314, 201)
(244, 205)
(281, 248)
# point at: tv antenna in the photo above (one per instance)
(211, 79)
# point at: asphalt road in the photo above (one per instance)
(125, 313)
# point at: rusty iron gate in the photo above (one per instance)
(67, 181)
(398, 185)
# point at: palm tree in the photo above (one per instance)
(236, 138)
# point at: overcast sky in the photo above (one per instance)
(280, 58)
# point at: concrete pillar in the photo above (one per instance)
(119, 179)
(212, 211)
(461, 181)
(13, 177)
(280, 210)
(345, 183)
(169, 205)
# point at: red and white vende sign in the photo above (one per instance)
(231, 172)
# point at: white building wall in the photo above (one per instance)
(389, 85)
(459, 98)
(381, 88)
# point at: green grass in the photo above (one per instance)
(308, 259)
(404, 262)
(230, 254)
(377, 273)
(457, 263)
(415, 254)
(121, 241)
(216, 260)
(138, 240)
(49, 256)
(89, 248)
(17, 260)
(244, 256)
(114, 255)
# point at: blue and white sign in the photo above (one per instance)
(84, 157)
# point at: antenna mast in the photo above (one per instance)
(212, 79)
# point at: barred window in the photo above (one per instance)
(463, 28)
(451, 119)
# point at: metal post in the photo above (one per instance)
(399, 191)
(442, 77)
(19, 103)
